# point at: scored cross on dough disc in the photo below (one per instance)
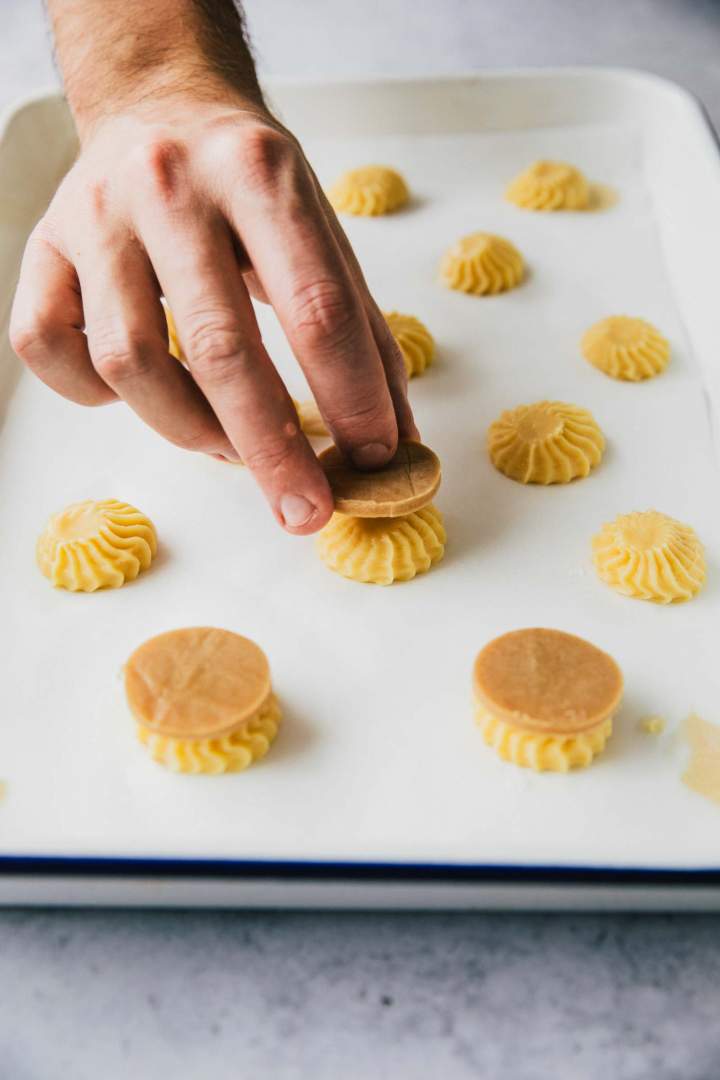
(547, 681)
(407, 483)
(196, 683)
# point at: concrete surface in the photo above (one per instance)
(210, 995)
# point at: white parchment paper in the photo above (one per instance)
(378, 757)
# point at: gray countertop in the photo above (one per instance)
(112, 994)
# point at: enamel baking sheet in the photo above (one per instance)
(378, 759)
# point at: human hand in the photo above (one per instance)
(204, 201)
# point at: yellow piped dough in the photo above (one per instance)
(96, 545)
(550, 185)
(650, 556)
(369, 191)
(549, 442)
(626, 348)
(227, 753)
(482, 264)
(545, 699)
(174, 346)
(383, 550)
(543, 753)
(202, 699)
(310, 417)
(415, 341)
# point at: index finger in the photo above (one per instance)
(274, 207)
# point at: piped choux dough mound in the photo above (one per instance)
(310, 417)
(174, 346)
(545, 699)
(626, 348)
(482, 264)
(202, 700)
(369, 191)
(380, 551)
(650, 556)
(549, 442)
(415, 341)
(96, 545)
(384, 528)
(550, 185)
(226, 753)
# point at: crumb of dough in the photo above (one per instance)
(94, 545)
(550, 185)
(414, 340)
(626, 348)
(369, 191)
(482, 264)
(653, 725)
(650, 556)
(549, 442)
(545, 699)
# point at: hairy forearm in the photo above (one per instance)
(116, 53)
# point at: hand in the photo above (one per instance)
(203, 202)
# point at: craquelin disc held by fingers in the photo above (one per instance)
(407, 483)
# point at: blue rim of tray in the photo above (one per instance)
(41, 866)
(361, 872)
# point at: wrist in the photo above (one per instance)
(184, 91)
(120, 56)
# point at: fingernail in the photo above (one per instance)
(296, 510)
(371, 456)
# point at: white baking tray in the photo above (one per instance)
(380, 790)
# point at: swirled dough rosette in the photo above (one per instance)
(544, 699)
(369, 191)
(626, 348)
(202, 700)
(549, 442)
(415, 341)
(96, 545)
(228, 753)
(550, 185)
(650, 556)
(543, 753)
(482, 264)
(383, 550)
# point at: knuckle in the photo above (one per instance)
(267, 156)
(97, 194)
(217, 347)
(30, 337)
(271, 455)
(94, 397)
(118, 359)
(203, 440)
(158, 163)
(324, 312)
(364, 417)
(45, 233)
